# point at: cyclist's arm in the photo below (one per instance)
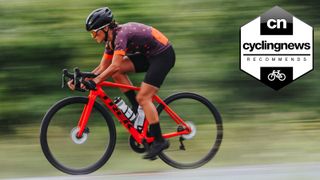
(96, 70)
(112, 68)
(118, 54)
(104, 64)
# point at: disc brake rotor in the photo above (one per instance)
(193, 131)
(77, 140)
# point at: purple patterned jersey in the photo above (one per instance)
(131, 38)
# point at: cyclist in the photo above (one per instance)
(133, 47)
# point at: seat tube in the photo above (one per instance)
(86, 113)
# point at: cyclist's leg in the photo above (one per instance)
(121, 76)
(144, 98)
(134, 63)
(160, 66)
(158, 69)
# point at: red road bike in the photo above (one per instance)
(78, 134)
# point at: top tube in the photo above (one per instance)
(117, 85)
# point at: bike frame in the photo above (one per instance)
(139, 137)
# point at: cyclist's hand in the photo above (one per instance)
(90, 85)
(71, 85)
(82, 86)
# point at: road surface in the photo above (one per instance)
(310, 171)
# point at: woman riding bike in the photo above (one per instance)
(133, 47)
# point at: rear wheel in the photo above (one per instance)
(282, 77)
(200, 146)
(59, 141)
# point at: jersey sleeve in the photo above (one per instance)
(120, 43)
(108, 53)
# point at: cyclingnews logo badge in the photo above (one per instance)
(276, 48)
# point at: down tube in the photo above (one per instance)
(121, 117)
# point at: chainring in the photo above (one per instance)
(135, 146)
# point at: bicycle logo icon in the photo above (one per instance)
(276, 74)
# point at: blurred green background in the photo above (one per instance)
(40, 37)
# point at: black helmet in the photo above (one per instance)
(99, 18)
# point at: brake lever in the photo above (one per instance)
(78, 87)
(75, 75)
(88, 86)
(63, 81)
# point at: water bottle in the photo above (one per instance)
(138, 124)
(125, 108)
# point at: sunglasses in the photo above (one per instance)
(94, 33)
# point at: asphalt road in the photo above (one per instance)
(310, 171)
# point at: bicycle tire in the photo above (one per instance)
(282, 77)
(271, 77)
(218, 137)
(44, 130)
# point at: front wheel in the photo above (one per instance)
(59, 141)
(271, 77)
(200, 146)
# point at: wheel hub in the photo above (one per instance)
(77, 140)
(193, 131)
